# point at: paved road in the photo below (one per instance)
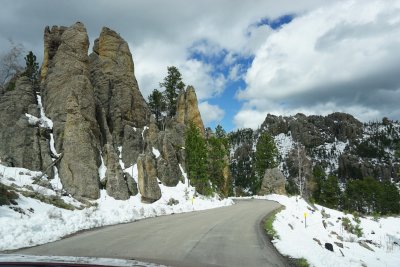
(228, 236)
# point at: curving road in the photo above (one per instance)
(228, 236)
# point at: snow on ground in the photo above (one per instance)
(284, 143)
(382, 236)
(41, 223)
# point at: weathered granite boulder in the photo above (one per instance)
(116, 184)
(147, 178)
(132, 185)
(168, 170)
(112, 75)
(273, 182)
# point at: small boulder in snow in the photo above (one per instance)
(329, 246)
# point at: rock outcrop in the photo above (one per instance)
(22, 140)
(273, 182)
(69, 101)
(315, 130)
(112, 75)
(147, 178)
(188, 110)
(98, 117)
(116, 184)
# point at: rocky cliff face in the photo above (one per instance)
(22, 141)
(338, 143)
(91, 121)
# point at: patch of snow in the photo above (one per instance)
(102, 169)
(52, 147)
(284, 144)
(132, 171)
(381, 236)
(44, 121)
(121, 163)
(42, 223)
(144, 129)
(156, 153)
(32, 120)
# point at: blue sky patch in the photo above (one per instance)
(276, 23)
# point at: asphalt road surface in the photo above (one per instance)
(228, 236)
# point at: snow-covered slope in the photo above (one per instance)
(379, 244)
(34, 222)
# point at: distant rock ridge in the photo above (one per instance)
(100, 120)
(338, 143)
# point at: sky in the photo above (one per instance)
(245, 58)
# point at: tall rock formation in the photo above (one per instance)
(188, 110)
(69, 101)
(112, 75)
(98, 117)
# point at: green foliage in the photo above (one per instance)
(157, 104)
(291, 187)
(266, 154)
(196, 160)
(242, 169)
(32, 69)
(319, 179)
(369, 195)
(352, 228)
(397, 152)
(173, 85)
(220, 133)
(216, 162)
(268, 225)
(265, 157)
(330, 192)
(302, 262)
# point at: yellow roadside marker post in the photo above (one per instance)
(305, 219)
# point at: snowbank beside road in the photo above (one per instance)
(33, 222)
(379, 244)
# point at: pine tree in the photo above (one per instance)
(330, 192)
(173, 85)
(196, 160)
(265, 158)
(32, 69)
(157, 104)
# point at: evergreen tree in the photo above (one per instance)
(196, 160)
(32, 69)
(216, 162)
(157, 104)
(319, 178)
(265, 158)
(173, 85)
(330, 192)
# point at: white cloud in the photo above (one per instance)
(341, 57)
(210, 113)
